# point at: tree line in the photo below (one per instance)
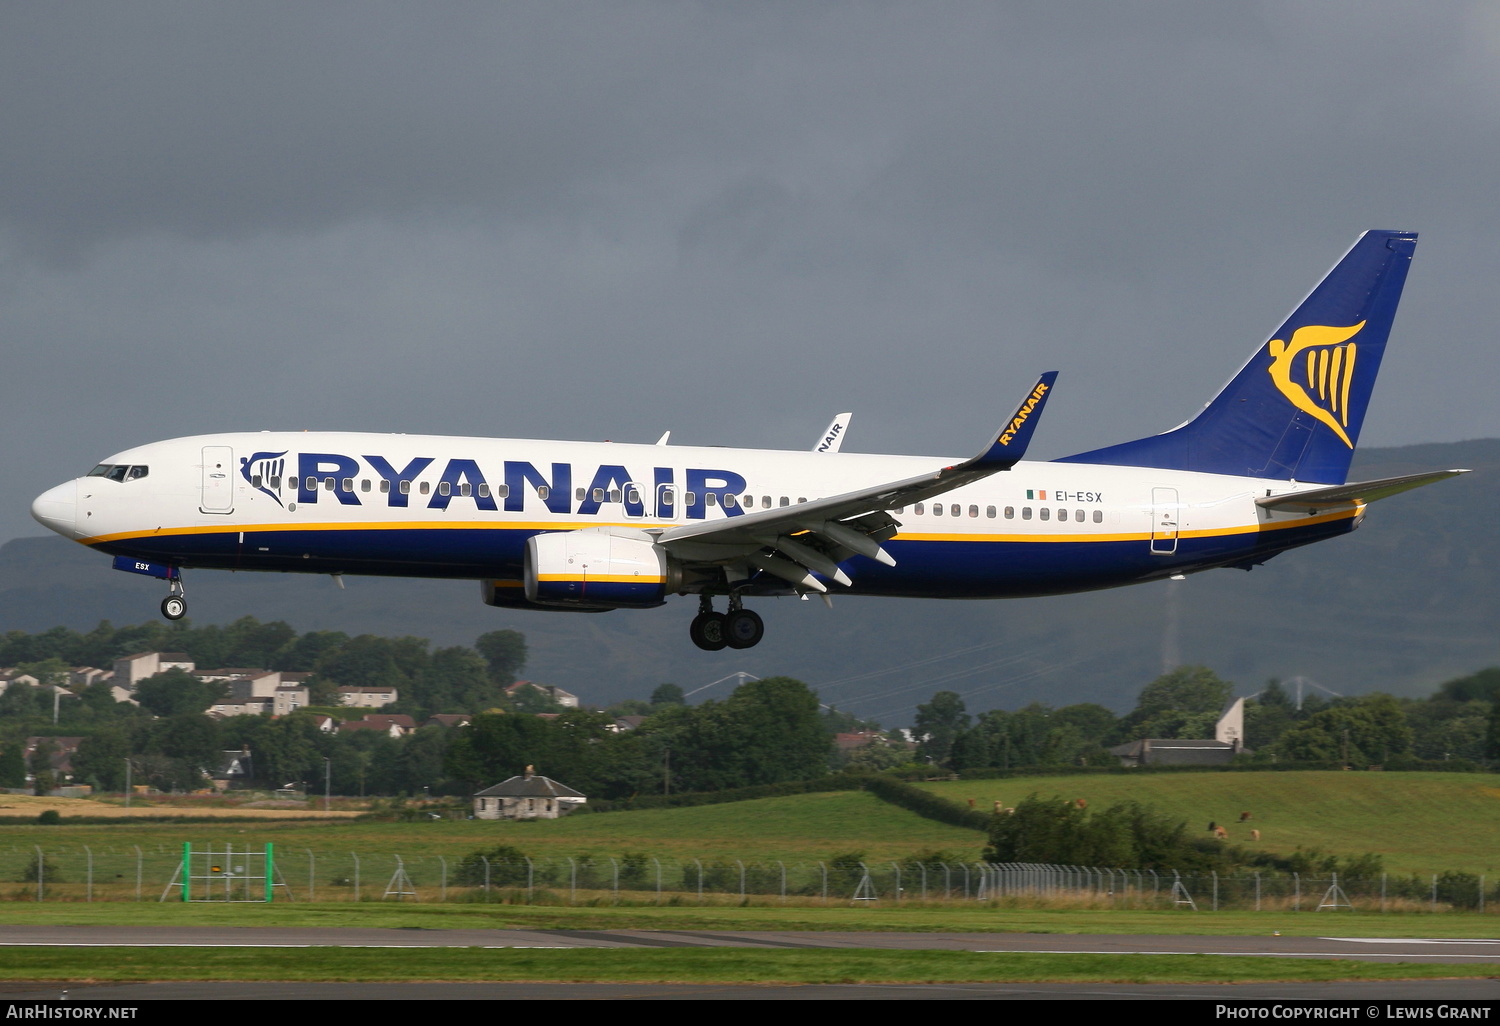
(1459, 723)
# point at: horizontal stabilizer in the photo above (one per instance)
(1359, 492)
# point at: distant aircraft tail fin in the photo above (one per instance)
(1294, 411)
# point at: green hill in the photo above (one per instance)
(1418, 822)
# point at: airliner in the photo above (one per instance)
(594, 526)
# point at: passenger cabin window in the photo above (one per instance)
(348, 484)
(1045, 512)
(1025, 512)
(689, 497)
(405, 487)
(444, 488)
(633, 495)
(598, 494)
(917, 509)
(465, 488)
(276, 484)
(579, 494)
(1098, 516)
(484, 490)
(385, 486)
(1010, 512)
(254, 480)
(956, 510)
(328, 484)
(937, 509)
(989, 511)
(502, 491)
(711, 498)
(729, 501)
(614, 495)
(424, 487)
(542, 492)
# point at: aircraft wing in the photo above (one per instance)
(792, 542)
(1361, 492)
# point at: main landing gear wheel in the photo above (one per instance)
(743, 628)
(174, 607)
(707, 631)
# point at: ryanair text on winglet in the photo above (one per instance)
(1025, 411)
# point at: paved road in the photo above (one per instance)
(1365, 949)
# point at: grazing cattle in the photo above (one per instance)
(1220, 834)
(1255, 835)
(1244, 817)
(1082, 803)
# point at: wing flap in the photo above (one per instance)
(857, 521)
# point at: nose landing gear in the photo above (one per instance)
(174, 606)
(738, 628)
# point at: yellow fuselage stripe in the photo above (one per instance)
(484, 525)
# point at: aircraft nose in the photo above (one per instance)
(57, 509)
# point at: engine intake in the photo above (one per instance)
(599, 568)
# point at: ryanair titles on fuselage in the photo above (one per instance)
(320, 476)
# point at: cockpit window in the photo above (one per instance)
(119, 472)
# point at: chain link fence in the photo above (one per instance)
(149, 872)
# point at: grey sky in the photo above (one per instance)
(602, 220)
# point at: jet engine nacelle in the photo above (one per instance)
(598, 568)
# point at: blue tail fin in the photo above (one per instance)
(1295, 410)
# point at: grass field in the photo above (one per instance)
(1418, 822)
(798, 827)
(1442, 821)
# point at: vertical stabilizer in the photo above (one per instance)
(1295, 410)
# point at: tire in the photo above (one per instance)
(744, 628)
(707, 631)
(174, 607)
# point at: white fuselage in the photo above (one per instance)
(433, 506)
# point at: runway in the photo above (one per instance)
(1373, 949)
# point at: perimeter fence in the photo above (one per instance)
(148, 873)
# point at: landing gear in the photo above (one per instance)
(739, 628)
(707, 631)
(743, 628)
(174, 606)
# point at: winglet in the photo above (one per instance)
(833, 436)
(1010, 445)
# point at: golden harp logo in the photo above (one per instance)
(1315, 371)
